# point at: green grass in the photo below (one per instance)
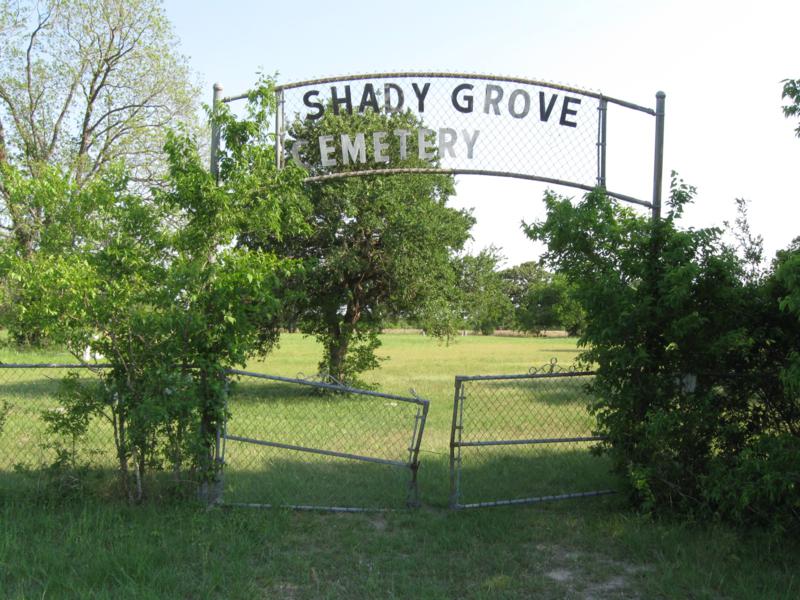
(99, 547)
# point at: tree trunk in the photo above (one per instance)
(336, 353)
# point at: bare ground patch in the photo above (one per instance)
(590, 575)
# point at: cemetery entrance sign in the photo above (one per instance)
(389, 123)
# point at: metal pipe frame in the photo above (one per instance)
(54, 366)
(457, 442)
(310, 507)
(215, 133)
(279, 127)
(435, 171)
(455, 445)
(658, 166)
(329, 386)
(536, 499)
(453, 75)
(523, 376)
(602, 112)
(654, 206)
(532, 441)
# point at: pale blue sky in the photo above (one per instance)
(720, 64)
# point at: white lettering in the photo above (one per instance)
(470, 141)
(298, 160)
(426, 143)
(379, 146)
(402, 135)
(447, 142)
(325, 151)
(353, 150)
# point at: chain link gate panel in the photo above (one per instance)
(522, 439)
(313, 445)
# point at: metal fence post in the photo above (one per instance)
(219, 450)
(214, 153)
(413, 499)
(602, 112)
(279, 129)
(658, 167)
(455, 461)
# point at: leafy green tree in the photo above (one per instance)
(791, 92)
(484, 302)
(787, 284)
(377, 246)
(84, 84)
(694, 356)
(158, 286)
(534, 295)
(570, 313)
(541, 299)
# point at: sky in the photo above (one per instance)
(720, 64)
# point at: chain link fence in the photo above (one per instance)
(30, 394)
(521, 439)
(474, 123)
(310, 444)
(454, 123)
(287, 442)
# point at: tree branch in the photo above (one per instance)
(64, 110)
(32, 104)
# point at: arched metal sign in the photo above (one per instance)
(389, 123)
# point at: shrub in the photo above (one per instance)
(696, 351)
(158, 285)
(759, 485)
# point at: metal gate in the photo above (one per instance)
(522, 439)
(314, 445)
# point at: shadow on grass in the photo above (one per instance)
(282, 478)
(490, 474)
(30, 390)
(54, 485)
(291, 478)
(278, 477)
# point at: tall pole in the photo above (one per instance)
(602, 112)
(217, 99)
(658, 167)
(279, 129)
(210, 490)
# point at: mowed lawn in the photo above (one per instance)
(93, 547)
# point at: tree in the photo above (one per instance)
(541, 299)
(157, 285)
(484, 302)
(84, 84)
(377, 245)
(791, 92)
(695, 356)
(534, 296)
